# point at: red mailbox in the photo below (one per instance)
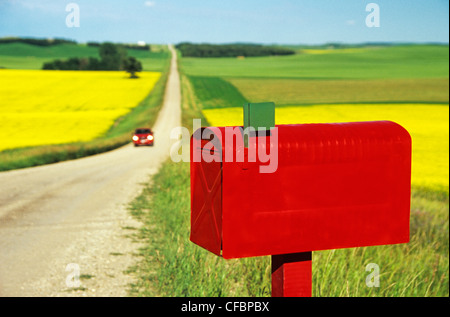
(336, 185)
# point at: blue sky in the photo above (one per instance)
(227, 21)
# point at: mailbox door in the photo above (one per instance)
(336, 186)
(206, 193)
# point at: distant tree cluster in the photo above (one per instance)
(38, 42)
(230, 50)
(145, 47)
(112, 57)
(73, 63)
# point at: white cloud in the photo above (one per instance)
(350, 22)
(149, 3)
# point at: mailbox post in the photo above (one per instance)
(291, 273)
(335, 185)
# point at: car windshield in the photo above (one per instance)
(142, 131)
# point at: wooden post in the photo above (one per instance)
(292, 275)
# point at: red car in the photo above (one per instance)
(143, 136)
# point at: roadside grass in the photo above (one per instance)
(170, 265)
(119, 134)
(418, 268)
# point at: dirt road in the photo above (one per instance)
(67, 220)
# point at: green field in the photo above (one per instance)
(403, 74)
(216, 92)
(299, 91)
(26, 56)
(413, 61)
(365, 77)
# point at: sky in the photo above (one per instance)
(228, 21)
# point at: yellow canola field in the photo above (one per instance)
(427, 124)
(53, 107)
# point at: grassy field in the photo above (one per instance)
(26, 56)
(353, 84)
(421, 61)
(299, 92)
(90, 112)
(403, 74)
(216, 92)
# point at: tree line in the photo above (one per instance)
(112, 57)
(33, 41)
(230, 50)
(145, 47)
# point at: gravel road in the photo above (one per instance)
(70, 219)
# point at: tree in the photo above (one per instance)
(112, 56)
(132, 65)
(94, 64)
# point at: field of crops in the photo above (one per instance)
(284, 91)
(398, 62)
(25, 56)
(53, 107)
(406, 84)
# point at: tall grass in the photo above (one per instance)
(418, 268)
(171, 265)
